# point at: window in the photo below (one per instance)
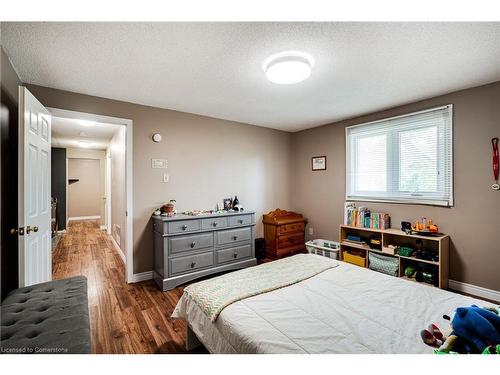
(402, 159)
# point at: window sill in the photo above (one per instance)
(423, 202)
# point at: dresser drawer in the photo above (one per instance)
(290, 240)
(191, 263)
(193, 242)
(234, 254)
(183, 226)
(240, 220)
(233, 235)
(214, 223)
(291, 228)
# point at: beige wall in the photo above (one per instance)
(118, 186)
(473, 223)
(83, 153)
(84, 198)
(209, 159)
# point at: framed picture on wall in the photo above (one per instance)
(318, 163)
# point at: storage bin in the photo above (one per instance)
(383, 263)
(326, 248)
(353, 258)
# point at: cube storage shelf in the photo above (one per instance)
(397, 237)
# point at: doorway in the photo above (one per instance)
(85, 193)
(97, 176)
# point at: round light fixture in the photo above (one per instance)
(288, 67)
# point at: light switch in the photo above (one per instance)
(159, 163)
(166, 177)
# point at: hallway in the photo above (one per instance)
(124, 318)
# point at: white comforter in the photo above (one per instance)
(346, 309)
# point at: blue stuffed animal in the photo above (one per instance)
(478, 326)
(474, 330)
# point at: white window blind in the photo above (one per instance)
(402, 159)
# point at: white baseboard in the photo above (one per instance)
(104, 227)
(118, 250)
(474, 290)
(83, 218)
(143, 276)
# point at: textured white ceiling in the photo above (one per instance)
(67, 132)
(214, 69)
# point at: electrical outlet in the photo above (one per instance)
(311, 231)
(166, 177)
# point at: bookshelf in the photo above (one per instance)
(438, 244)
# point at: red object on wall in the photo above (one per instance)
(494, 142)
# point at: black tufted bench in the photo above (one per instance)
(52, 317)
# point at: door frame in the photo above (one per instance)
(107, 191)
(128, 123)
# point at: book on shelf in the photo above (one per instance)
(362, 217)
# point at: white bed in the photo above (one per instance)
(346, 309)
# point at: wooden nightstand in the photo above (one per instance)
(284, 233)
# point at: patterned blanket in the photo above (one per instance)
(213, 295)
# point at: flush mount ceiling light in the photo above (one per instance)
(288, 67)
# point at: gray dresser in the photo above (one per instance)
(189, 247)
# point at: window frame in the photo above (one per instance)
(390, 181)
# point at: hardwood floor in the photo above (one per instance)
(124, 318)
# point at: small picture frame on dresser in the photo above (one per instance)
(318, 163)
(227, 204)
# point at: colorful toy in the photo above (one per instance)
(405, 251)
(492, 350)
(409, 271)
(426, 225)
(474, 330)
(479, 326)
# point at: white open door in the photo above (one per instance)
(35, 250)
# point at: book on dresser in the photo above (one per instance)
(188, 247)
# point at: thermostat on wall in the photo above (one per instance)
(159, 163)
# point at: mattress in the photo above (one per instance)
(347, 309)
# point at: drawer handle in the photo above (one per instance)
(184, 227)
(193, 244)
(193, 264)
(235, 255)
(240, 221)
(214, 224)
(235, 238)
